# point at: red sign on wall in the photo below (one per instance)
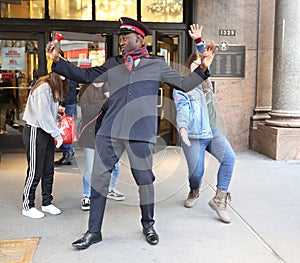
(6, 75)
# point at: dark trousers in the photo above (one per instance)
(40, 157)
(108, 152)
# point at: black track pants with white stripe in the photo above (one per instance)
(40, 157)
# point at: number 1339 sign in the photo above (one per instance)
(226, 32)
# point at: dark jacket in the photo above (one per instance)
(132, 112)
(90, 102)
(72, 94)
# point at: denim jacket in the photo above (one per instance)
(192, 113)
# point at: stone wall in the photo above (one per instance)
(235, 97)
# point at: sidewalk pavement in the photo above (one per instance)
(265, 214)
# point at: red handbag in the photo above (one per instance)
(67, 129)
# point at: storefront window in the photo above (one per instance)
(23, 9)
(162, 11)
(18, 70)
(84, 54)
(112, 10)
(106, 10)
(70, 9)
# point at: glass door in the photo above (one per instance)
(19, 66)
(23, 60)
(166, 45)
(84, 51)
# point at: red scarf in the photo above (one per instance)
(131, 56)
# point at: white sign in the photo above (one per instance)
(13, 58)
(164, 52)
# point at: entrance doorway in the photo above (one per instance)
(21, 61)
(166, 44)
(84, 50)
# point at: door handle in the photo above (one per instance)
(161, 98)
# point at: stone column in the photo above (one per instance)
(265, 55)
(286, 81)
(279, 137)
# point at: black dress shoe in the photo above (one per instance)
(87, 240)
(151, 236)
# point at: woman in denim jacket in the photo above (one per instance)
(218, 146)
(194, 128)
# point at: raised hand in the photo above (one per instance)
(53, 50)
(195, 31)
(208, 55)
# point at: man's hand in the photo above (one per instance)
(184, 136)
(195, 31)
(208, 55)
(53, 51)
(59, 143)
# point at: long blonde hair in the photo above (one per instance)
(58, 86)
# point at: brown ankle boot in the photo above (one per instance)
(192, 198)
(219, 204)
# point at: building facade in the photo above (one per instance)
(261, 110)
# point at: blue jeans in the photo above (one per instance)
(221, 149)
(114, 177)
(194, 155)
(67, 148)
(87, 176)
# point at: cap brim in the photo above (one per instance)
(126, 31)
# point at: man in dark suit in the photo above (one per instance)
(130, 122)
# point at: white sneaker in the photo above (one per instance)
(33, 213)
(51, 209)
(115, 195)
(85, 203)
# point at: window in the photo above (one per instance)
(70, 9)
(162, 11)
(23, 9)
(84, 54)
(106, 10)
(18, 68)
(112, 10)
